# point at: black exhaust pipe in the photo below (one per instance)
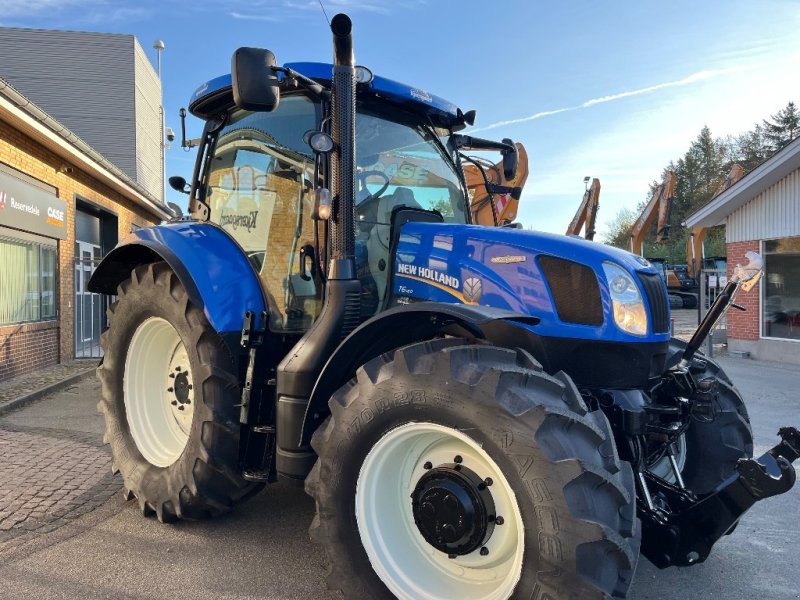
(343, 131)
(341, 311)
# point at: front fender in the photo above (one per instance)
(211, 266)
(406, 325)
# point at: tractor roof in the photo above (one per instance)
(216, 95)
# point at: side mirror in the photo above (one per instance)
(178, 183)
(510, 159)
(255, 85)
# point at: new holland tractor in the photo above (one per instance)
(478, 412)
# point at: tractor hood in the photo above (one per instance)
(556, 278)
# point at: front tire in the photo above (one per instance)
(445, 418)
(711, 447)
(168, 396)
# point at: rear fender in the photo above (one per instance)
(211, 266)
(412, 323)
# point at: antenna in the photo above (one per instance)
(324, 13)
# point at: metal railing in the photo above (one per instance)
(89, 311)
(712, 282)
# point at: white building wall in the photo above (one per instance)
(100, 85)
(147, 99)
(774, 213)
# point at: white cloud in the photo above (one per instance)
(24, 8)
(237, 15)
(693, 78)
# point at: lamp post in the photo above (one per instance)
(159, 47)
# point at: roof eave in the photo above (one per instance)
(58, 143)
(751, 185)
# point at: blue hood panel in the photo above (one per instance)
(495, 266)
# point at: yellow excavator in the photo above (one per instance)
(694, 244)
(494, 200)
(660, 204)
(587, 211)
(680, 296)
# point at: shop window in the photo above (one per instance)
(27, 281)
(781, 301)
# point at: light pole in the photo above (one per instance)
(159, 47)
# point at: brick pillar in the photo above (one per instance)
(744, 325)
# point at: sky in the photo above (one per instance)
(613, 90)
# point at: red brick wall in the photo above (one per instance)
(744, 325)
(26, 155)
(26, 347)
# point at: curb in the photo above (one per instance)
(35, 395)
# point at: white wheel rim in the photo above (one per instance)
(407, 564)
(159, 410)
(663, 466)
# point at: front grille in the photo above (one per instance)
(656, 291)
(575, 290)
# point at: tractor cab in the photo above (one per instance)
(259, 176)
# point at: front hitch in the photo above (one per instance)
(681, 528)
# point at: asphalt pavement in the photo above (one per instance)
(84, 541)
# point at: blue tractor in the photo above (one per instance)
(478, 412)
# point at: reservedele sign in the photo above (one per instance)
(24, 206)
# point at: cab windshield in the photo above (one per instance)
(259, 187)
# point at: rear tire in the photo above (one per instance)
(168, 395)
(570, 528)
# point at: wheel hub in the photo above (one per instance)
(182, 387)
(453, 509)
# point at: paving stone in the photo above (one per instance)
(69, 476)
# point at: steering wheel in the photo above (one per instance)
(367, 209)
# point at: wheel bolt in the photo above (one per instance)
(174, 402)
(458, 459)
(172, 375)
(170, 390)
(484, 551)
(190, 386)
(178, 368)
(451, 556)
(488, 481)
(427, 466)
(181, 407)
(188, 401)
(499, 521)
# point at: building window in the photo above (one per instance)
(781, 302)
(27, 281)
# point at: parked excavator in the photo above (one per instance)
(695, 256)
(586, 216)
(681, 295)
(494, 194)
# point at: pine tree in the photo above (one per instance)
(750, 149)
(783, 127)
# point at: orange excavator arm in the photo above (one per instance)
(506, 203)
(694, 243)
(660, 203)
(587, 212)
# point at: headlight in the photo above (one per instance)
(629, 312)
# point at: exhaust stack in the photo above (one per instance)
(341, 309)
(343, 132)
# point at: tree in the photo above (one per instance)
(783, 127)
(619, 229)
(750, 149)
